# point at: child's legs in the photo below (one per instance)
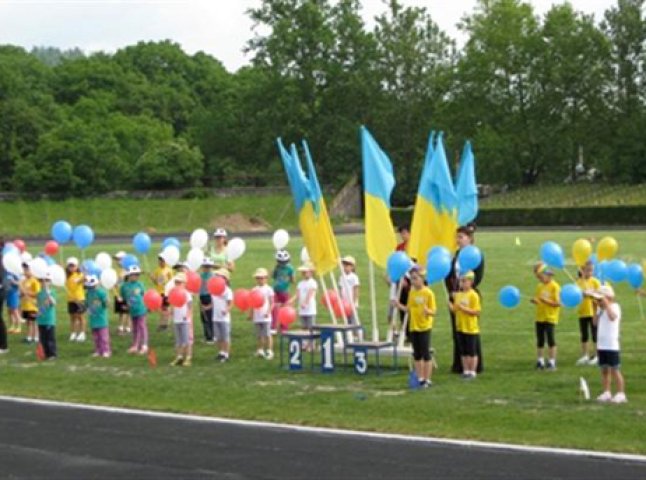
(619, 379)
(31, 329)
(96, 336)
(164, 315)
(551, 340)
(540, 338)
(605, 379)
(135, 331)
(593, 346)
(143, 329)
(584, 329)
(104, 338)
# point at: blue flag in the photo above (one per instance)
(466, 188)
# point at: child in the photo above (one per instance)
(97, 305)
(262, 316)
(306, 295)
(548, 306)
(160, 277)
(120, 305)
(29, 288)
(132, 292)
(221, 308)
(46, 301)
(588, 285)
(13, 303)
(75, 299)
(182, 321)
(283, 277)
(349, 284)
(608, 321)
(466, 306)
(421, 310)
(218, 252)
(206, 311)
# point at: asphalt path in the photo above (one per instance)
(49, 441)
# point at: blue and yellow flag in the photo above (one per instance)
(378, 184)
(313, 218)
(434, 218)
(466, 188)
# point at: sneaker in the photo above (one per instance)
(273, 331)
(128, 330)
(593, 361)
(551, 366)
(96, 354)
(73, 337)
(178, 361)
(3, 351)
(604, 397)
(582, 361)
(143, 350)
(260, 353)
(210, 342)
(423, 384)
(269, 355)
(224, 359)
(619, 398)
(219, 356)
(80, 337)
(28, 340)
(540, 365)
(106, 355)
(132, 350)
(120, 329)
(187, 362)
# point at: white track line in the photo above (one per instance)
(335, 431)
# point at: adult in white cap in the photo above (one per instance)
(608, 324)
(75, 299)
(218, 251)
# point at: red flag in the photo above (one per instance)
(40, 352)
(152, 358)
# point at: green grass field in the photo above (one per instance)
(511, 402)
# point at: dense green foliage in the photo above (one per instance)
(535, 94)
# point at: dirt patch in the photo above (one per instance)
(240, 223)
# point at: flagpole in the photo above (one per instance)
(373, 302)
(339, 338)
(402, 333)
(328, 304)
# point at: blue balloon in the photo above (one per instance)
(10, 248)
(83, 236)
(552, 254)
(438, 250)
(90, 267)
(571, 295)
(171, 241)
(141, 242)
(438, 267)
(397, 266)
(616, 271)
(129, 261)
(469, 258)
(509, 296)
(593, 259)
(600, 270)
(48, 260)
(62, 232)
(635, 275)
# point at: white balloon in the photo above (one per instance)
(169, 286)
(38, 267)
(236, 248)
(12, 263)
(199, 238)
(26, 257)
(171, 255)
(305, 255)
(195, 258)
(109, 278)
(281, 239)
(103, 260)
(57, 274)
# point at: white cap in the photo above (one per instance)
(220, 232)
(133, 270)
(72, 261)
(120, 254)
(91, 281)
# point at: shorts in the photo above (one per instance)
(13, 300)
(165, 303)
(120, 306)
(222, 331)
(74, 308)
(587, 327)
(308, 321)
(181, 334)
(545, 331)
(468, 343)
(263, 329)
(609, 359)
(421, 343)
(29, 316)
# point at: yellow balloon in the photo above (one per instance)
(581, 250)
(607, 248)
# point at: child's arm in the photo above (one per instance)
(467, 310)
(355, 295)
(311, 294)
(549, 303)
(605, 305)
(189, 311)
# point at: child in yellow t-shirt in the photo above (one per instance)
(466, 306)
(588, 285)
(160, 278)
(29, 288)
(421, 309)
(548, 306)
(74, 285)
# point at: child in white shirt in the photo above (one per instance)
(306, 296)
(262, 316)
(182, 322)
(221, 308)
(349, 284)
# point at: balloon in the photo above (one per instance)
(103, 260)
(129, 261)
(346, 306)
(469, 258)
(397, 266)
(509, 296)
(600, 270)
(571, 295)
(438, 250)
(20, 245)
(607, 248)
(334, 299)
(38, 267)
(199, 238)
(241, 299)
(61, 232)
(195, 258)
(438, 267)
(171, 241)
(635, 275)
(57, 274)
(83, 236)
(305, 255)
(177, 297)
(581, 251)
(10, 248)
(256, 299)
(216, 285)
(552, 254)
(616, 271)
(141, 242)
(280, 239)
(90, 267)
(193, 282)
(12, 263)
(109, 278)
(286, 316)
(170, 255)
(153, 300)
(236, 248)
(26, 257)
(51, 247)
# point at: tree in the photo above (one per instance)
(173, 164)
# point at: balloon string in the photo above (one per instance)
(569, 275)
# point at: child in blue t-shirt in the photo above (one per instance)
(46, 317)
(132, 292)
(96, 300)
